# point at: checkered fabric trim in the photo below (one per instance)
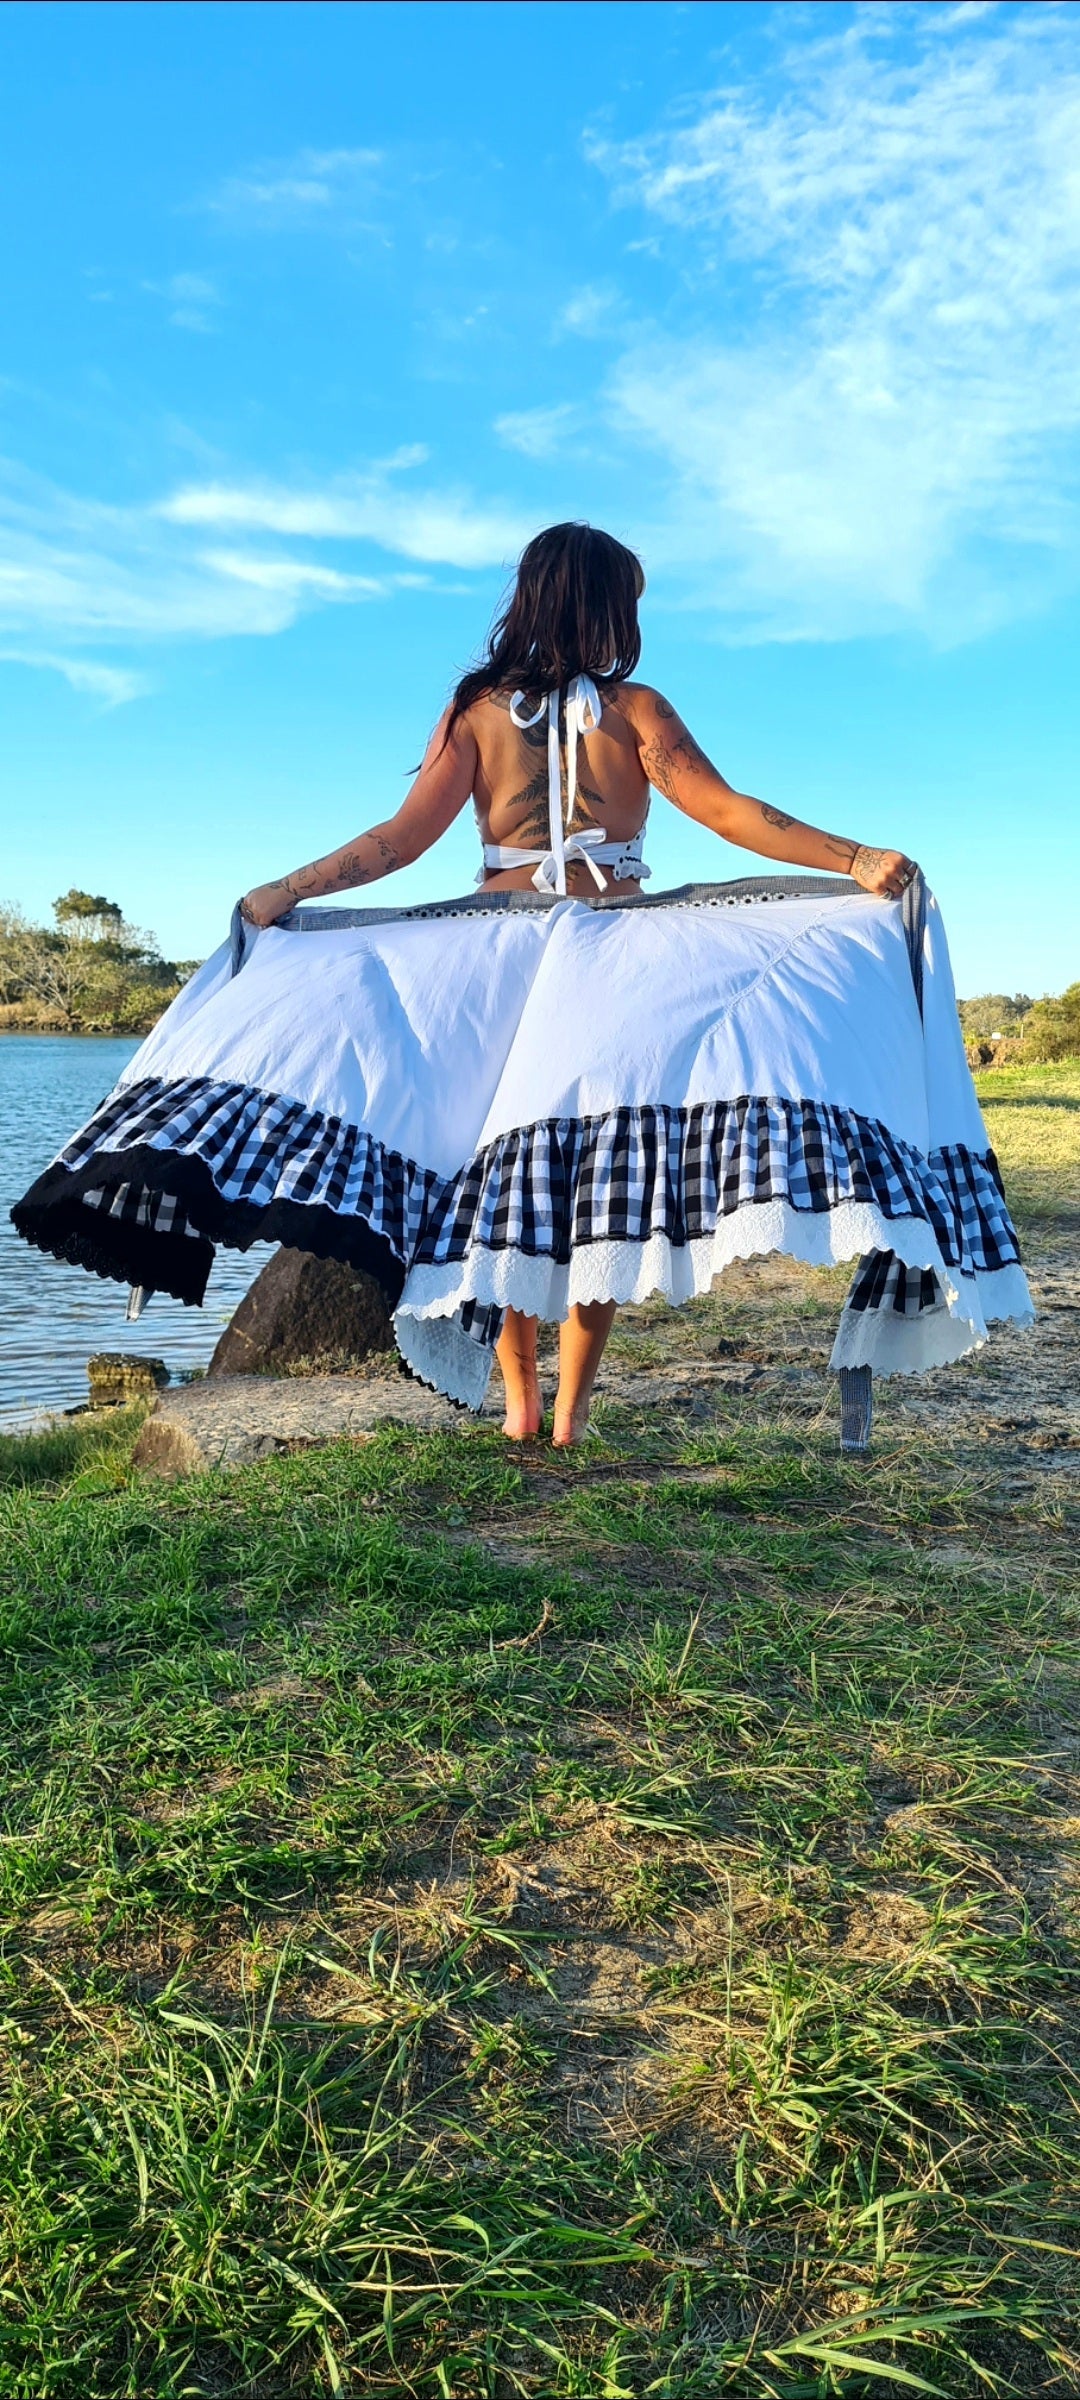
(545, 1189)
(259, 1150)
(542, 1190)
(882, 1281)
(135, 1204)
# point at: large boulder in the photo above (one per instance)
(305, 1316)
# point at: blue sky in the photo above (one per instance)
(309, 315)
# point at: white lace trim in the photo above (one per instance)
(630, 1272)
(441, 1354)
(893, 1344)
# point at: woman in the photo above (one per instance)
(558, 748)
(562, 1093)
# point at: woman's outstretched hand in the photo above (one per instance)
(887, 873)
(265, 904)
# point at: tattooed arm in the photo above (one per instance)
(439, 794)
(678, 767)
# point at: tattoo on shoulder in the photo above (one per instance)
(663, 707)
(775, 816)
(663, 765)
(658, 763)
(691, 751)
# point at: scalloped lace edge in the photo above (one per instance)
(897, 1345)
(629, 1272)
(436, 1349)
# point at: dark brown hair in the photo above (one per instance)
(572, 611)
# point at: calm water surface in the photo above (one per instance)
(52, 1317)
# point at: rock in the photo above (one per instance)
(305, 1316)
(114, 1378)
(232, 1420)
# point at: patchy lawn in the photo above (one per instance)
(486, 1921)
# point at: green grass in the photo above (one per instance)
(1033, 1118)
(478, 1922)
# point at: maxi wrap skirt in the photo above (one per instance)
(511, 1100)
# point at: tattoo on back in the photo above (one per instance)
(533, 736)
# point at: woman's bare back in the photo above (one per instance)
(510, 787)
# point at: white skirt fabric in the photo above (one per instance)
(511, 1101)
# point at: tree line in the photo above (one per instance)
(1018, 1027)
(88, 972)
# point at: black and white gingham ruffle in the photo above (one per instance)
(638, 1172)
(161, 1163)
(163, 1171)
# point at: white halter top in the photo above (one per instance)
(583, 713)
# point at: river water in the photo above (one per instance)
(53, 1317)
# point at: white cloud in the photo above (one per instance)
(291, 575)
(309, 189)
(539, 432)
(191, 298)
(112, 685)
(446, 528)
(589, 310)
(884, 430)
(76, 572)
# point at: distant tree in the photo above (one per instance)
(992, 1015)
(94, 973)
(1053, 1027)
(88, 914)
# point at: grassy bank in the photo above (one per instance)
(481, 1921)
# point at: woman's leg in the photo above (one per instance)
(516, 1354)
(581, 1348)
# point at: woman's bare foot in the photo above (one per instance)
(524, 1415)
(516, 1354)
(570, 1427)
(581, 1347)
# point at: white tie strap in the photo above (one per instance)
(583, 714)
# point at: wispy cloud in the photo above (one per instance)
(592, 309)
(540, 432)
(76, 572)
(292, 575)
(887, 432)
(310, 188)
(111, 685)
(192, 300)
(443, 528)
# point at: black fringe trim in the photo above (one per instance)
(54, 1217)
